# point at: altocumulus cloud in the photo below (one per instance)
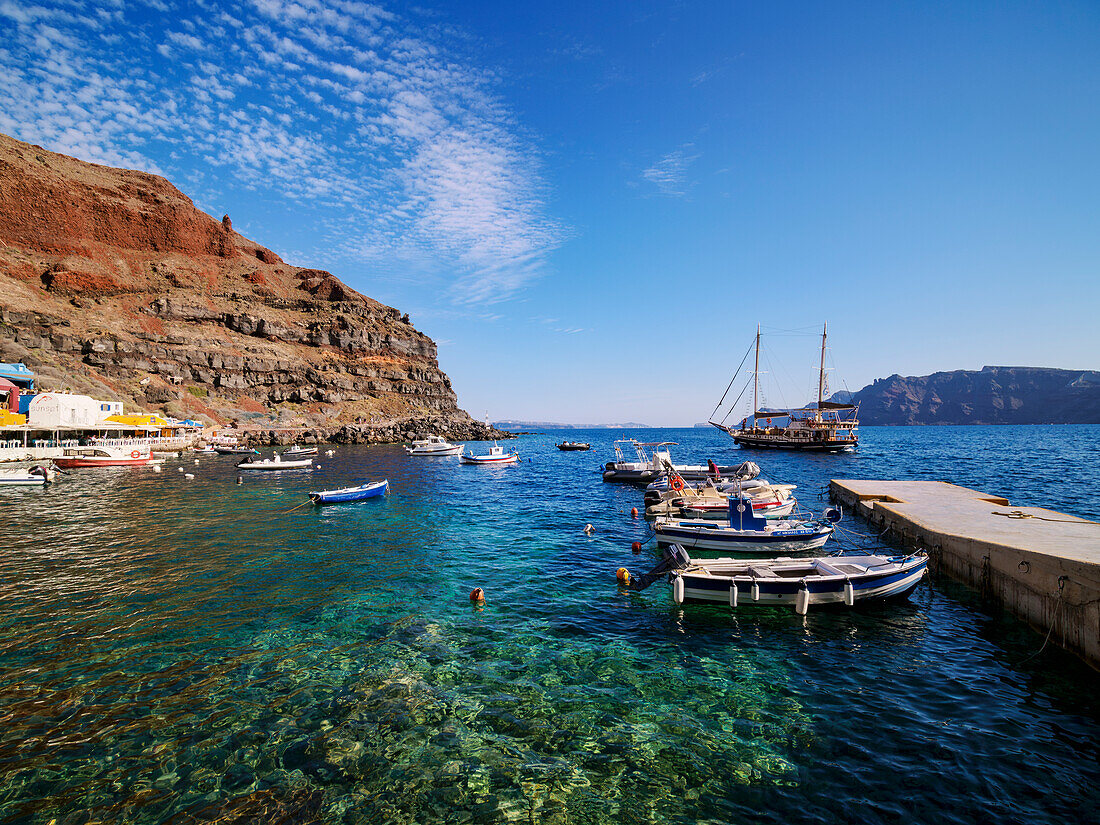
(402, 149)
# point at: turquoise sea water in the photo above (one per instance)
(177, 650)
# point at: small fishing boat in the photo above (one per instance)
(299, 451)
(710, 508)
(207, 450)
(572, 446)
(273, 464)
(36, 476)
(365, 491)
(797, 583)
(496, 455)
(105, 455)
(746, 532)
(235, 450)
(434, 445)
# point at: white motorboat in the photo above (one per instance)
(648, 468)
(434, 445)
(797, 583)
(299, 451)
(34, 477)
(496, 455)
(274, 464)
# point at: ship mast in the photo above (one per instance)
(756, 378)
(821, 375)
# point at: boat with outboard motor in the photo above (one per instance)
(573, 446)
(434, 445)
(35, 476)
(746, 532)
(348, 494)
(798, 583)
(273, 464)
(718, 509)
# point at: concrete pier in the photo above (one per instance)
(1041, 565)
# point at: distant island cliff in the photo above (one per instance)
(993, 395)
(113, 284)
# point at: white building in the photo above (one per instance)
(56, 409)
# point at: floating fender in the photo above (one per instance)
(833, 515)
(633, 512)
(623, 576)
(636, 547)
(755, 591)
(589, 529)
(849, 593)
(196, 462)
(678, 590)
(733, 593)
(802, 600)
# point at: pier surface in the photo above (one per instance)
(1041, 565)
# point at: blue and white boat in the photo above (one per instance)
(361, 493)
(746, 532)
(797, 583)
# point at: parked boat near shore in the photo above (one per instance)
(496, 455)
(274, 464)
(35, 476)
(434, 445)
(746, 532)
(797, 583)
(105, 455)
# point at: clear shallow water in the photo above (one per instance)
(176, 650)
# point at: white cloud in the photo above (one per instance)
(398, 149)
(669, 174)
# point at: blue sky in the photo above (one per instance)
(590, 206)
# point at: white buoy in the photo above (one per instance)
(678, 590)
(196, 462)
(330, 452)
(156, 468)
(802, 600)
(181, 469)
(733, 593)
(755, 591)
(589, 529)
(849, 593)
(240, 480)
(188, 475)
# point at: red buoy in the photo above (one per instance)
(633, 512)
(636, 547)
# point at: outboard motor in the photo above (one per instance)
(833, 514)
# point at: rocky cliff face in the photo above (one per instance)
(113, 283)
(995, 395)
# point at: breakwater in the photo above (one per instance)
(1040, 564)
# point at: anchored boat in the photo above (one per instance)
(235, 450)
(496, 455)
(434, 445)
(797, 583)
(347, 494)
(827, 428)
(746, 532)
(299, 451)
(572, 446)
(106, 455)
(648, 468)
(36, 476)
(274, 464)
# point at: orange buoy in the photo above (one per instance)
(477, 596)
(623, 575)
(636, 547)
(589, 529)
(633, 512)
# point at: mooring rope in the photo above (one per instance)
(1020, 514)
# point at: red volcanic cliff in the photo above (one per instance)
(114, 284)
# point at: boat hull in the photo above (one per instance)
(763, 442)
(720, 512)
(700, 588)
(351, 494)
(453, 450)
(481, 459)
(76, 463)
(275, 466)
(22, 481)
(705, 538)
